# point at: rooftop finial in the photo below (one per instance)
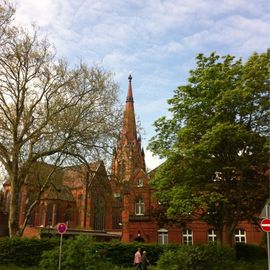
(129, 94)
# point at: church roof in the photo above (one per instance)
(58, 192)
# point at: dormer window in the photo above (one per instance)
(139, 207)
(139, 182)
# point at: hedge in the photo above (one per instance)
(28, 252)
(115, 252)
(25, 251)
(250, 252)
(122, 254)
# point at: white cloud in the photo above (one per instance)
(152, 161)
(157, 39)
(51, 13)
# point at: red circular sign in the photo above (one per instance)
(61, 228)
(265, 225)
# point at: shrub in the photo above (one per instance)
(256, 265)
(122, 254)
(250, 252)
(77, 254)
(197, 258)
(24, 252)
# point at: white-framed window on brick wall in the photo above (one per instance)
(212, 236)
(163, 236)
(139, 207)
(187, 237)
(240, 236)
(139, 182)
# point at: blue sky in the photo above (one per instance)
(154, 40)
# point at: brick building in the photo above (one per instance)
(139, 204)
(121, 205)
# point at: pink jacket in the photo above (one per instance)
(137, 257)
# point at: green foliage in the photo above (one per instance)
(197, 258)
(78, 254)
(14, 267)
(123, 254)
(216, 142)
(256, 265)
(83, 253)
(250, 252)
(78, 105)
(24, 252)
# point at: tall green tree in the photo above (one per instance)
(48, 111)
(216, 143)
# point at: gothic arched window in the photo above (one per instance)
(58, 217)
(49, 214)
(99, 214)
(42, 216)
(68, 214)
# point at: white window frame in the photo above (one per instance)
(187, 237)
(139, 207)
(212, 236)
(116, 195)
(140, 182)
(163, 236)
(240, 236)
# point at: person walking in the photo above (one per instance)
(145, 261)
(138, 259)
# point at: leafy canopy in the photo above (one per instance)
(216, 141)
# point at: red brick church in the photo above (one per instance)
(120, 205)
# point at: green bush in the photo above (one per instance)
(250, 252)
(122, 254)
(197, 258)
(24, 252)
(77, 254)
(256, 265)
(83, 253)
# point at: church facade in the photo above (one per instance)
(120, 205)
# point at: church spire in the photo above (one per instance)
(129, 126)
(128, 157)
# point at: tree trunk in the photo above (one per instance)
(220, 236)
(13, 221)
(28, 215)
(230, 234)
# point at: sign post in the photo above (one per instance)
(265, 225)
(61, 228)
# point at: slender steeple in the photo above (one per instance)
(129, 126)
(129, 94)
(128, 157)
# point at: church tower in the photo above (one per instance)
(129, 154)
(131, 179)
